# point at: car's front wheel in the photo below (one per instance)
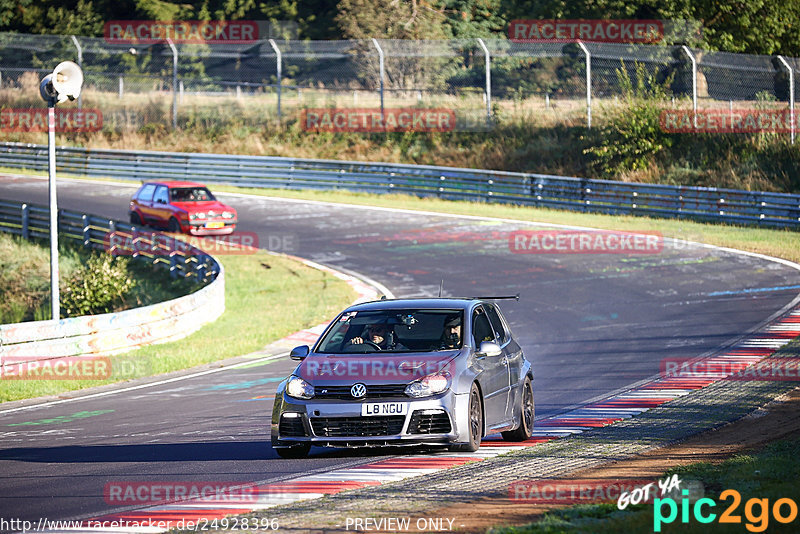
(136, 220)
(526, 415)
(475, 426)
(174, 226)
(295, 451)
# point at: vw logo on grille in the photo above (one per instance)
(358, 391)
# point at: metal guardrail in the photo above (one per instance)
(29, 220)
(539, 190)
(111, 333)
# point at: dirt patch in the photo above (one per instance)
(778, 419)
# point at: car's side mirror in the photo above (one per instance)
(299, 353)
(490, 349)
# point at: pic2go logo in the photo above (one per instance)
(783, 510)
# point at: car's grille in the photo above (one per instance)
(373, 392)
(357, 426)
(429, 423)
(291, 427)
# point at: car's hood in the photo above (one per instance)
(207, 205)
(399, 368)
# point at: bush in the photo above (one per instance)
(100, 286)
(632, 138)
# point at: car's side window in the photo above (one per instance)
(146, 194)
(481, 329)
(497, 323)
(161, 196)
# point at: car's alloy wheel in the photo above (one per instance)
(295, 451)
(526, 416)
(475, 423)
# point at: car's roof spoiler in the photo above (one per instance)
(504, 297)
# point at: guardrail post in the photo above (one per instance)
(86, 234)
(278, 61)
(173, 265)
(174, 84)
(488, 80)
(80, 64)
(382, 75)
(694, 82)
(791, 95)
(26, 219)
(588, 84)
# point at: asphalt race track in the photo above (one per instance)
(592, 323)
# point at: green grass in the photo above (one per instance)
(771, 473)
(266, 298)
(25, 278)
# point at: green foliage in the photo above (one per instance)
(100, 286)
(633, 137)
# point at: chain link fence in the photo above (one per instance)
(160, 85)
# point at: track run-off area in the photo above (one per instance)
(594, 325)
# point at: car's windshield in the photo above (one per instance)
(190, 194)
(405, 330)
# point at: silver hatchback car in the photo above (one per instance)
(433, 371)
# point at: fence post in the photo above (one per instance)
(86, 234)
(174, 84)
(26, 219)
(694, 82)
(121, 87)
(791, 95)
(588, 84)
(382, 73)
(80, 64)
(278, 62)
(488, 80)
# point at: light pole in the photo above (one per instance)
(63, 84)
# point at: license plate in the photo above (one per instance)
(384, 408)
(215, 225)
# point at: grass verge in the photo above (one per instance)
(770, 473)
(25, 281)
(266, 298)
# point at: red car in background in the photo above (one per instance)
(186, 207)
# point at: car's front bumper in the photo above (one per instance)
(199, 228)
(335, 423)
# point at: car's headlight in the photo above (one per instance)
(198, 215)
(429, 385)
(299, 388)
(227, 215)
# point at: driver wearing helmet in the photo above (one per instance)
(379, 334)
(451, 337)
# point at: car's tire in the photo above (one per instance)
(475, 427)
(174, 226)
(136, 220)
(526, 416)
(295, 451)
